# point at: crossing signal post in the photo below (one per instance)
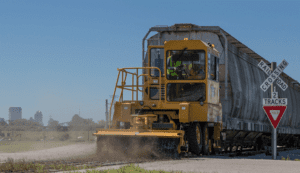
(274, 107)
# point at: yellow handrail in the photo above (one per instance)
(123, 70)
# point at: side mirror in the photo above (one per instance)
(220, 86)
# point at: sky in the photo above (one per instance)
(60, 57)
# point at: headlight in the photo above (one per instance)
(141, 103)
(201, 103)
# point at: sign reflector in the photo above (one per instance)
(275, 114)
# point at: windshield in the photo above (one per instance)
(185, 64)
(186, 92)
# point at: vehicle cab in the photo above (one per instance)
(189, 79)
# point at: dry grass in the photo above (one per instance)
(131, 169)
(22, 146)
(10, 166)
(23, 166)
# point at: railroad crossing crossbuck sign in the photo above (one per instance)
(274, 107)
(273, 76)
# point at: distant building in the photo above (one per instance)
(31, 119)
(2, 120)
(38, 117)
(14, 113)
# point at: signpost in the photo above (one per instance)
(274, 107)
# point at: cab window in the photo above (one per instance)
(186, 92)
(185, 64)
(157, 60)
(213, 67)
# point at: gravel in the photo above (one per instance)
(224, 164)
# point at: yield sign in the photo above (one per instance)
(275, 114)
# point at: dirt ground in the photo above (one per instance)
(63, 152)
(210, 164)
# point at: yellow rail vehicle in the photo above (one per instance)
(200, 93)
(181, 109)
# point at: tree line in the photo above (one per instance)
(77, 123)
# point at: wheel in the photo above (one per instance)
(239, 150)
(195, 138)
(205, 140)
(228, 149)
(212, 149)
(259, 143)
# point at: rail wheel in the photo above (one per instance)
(195, 138)
(239, 150)
(211, 147)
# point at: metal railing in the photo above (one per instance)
(133, 86)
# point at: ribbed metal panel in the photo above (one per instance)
(294, 109)
(297, 119)
(236, 86)
(287, 94)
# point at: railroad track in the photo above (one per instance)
(95, 163)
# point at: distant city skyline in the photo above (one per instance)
(32, 118)
(40, 119)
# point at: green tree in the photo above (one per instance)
(53, 125)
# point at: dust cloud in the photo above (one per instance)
(116, 148)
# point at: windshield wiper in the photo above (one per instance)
(182, 52)
(201, 98)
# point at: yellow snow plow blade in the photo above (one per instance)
(137, 133)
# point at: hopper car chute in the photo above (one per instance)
(200, 94)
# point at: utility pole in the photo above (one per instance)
(106, 113)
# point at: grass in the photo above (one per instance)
(22, 146)
(130, 169)
(22, 166)
(288, 158)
